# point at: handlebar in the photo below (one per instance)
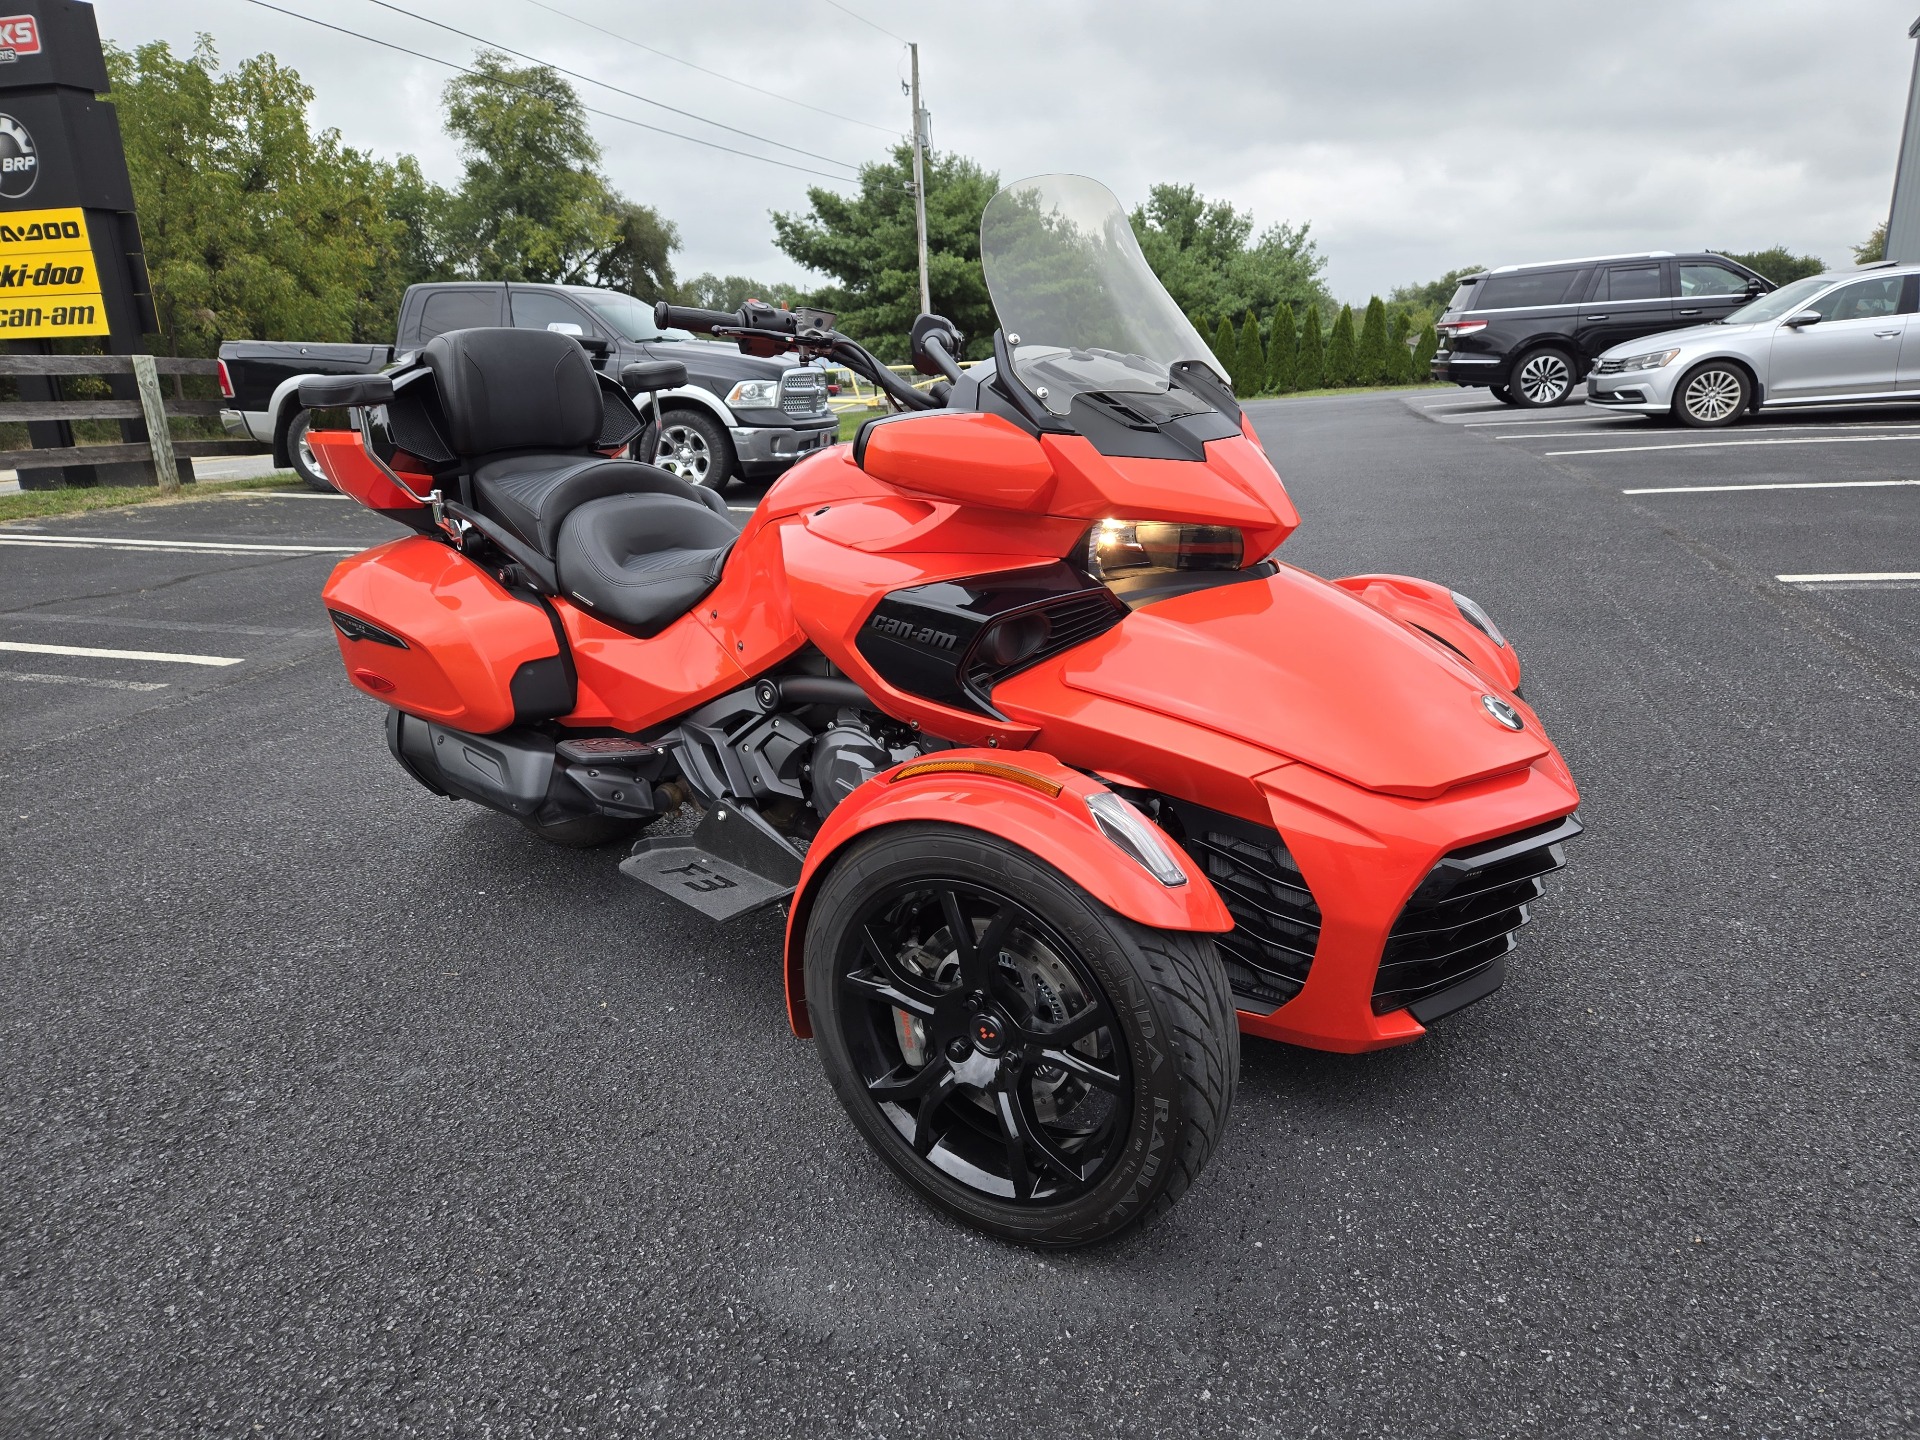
(687, 317)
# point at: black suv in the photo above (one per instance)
(1531, 332)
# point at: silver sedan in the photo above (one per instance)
(1834, 339)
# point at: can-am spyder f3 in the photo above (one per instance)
(1063, 780)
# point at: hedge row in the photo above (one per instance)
(1295, 356)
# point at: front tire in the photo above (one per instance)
(300, 455)
(1032, 1063)
(1543, 378)
(1711, 395)
(692, 445)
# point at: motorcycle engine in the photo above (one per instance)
(846, 755)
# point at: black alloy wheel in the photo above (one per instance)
(1711, 395)
(1542, 378)
(964, 998)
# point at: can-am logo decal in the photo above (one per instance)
(915, 634)
(19, 35)
(19, 159)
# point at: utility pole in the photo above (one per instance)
(920, 179)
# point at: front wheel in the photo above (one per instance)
(1711, 395)
(1543, 378)
(1035, 1065)
(693, 446)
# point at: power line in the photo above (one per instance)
(864, 21)
(716, 74)
(631, 95)
(589, 109)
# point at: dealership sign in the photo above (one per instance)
(19, 35)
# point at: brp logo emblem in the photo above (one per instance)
(1502, 712)
(19, 159)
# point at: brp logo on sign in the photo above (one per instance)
(19, 160)
(19, 35)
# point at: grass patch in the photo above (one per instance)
(33, 504)
(852, 420)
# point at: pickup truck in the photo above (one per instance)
(738, 416)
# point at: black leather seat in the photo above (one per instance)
(642, 560)
(631, 542)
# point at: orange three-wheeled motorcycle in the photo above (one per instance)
(1064, 781)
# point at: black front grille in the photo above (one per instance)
(1276, 924)
(1068, 621)
(1460, 922)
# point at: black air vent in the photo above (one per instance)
(1276, 924)
(1461, 920)
(1049, 629)
(617, 422)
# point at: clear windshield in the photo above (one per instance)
(1080, 307)
(628, 316)
(1778, 304)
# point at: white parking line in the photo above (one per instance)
(1735, 444)
(292, 495)
(1777, 485)
(1863, 577)
(137, 542)
(1764, 431)
(1563, 420)
(171, 657)
(97, 681)
(40, 542)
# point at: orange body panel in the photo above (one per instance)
(973, 458)
(466, 636)
(1429, 607)
(1058, 829)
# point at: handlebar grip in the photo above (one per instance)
(686, 317)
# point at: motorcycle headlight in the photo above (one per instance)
(1478, 618)
(1132, 544)
(1652, 360)
(755, 394)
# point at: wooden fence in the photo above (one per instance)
(151, 408)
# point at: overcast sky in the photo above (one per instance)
(1414, 136)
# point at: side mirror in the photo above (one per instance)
(651, 375)
(936, 346)
(1805, 317)
(968, 456)
(1757, 287)
(325, 392)
(566, 327)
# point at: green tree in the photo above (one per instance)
(1282, 352)
(1310, 369)
(1399, 353)
(640, 260)
(1250, 365)
(1423, 352)
(1424, 302)
(866, 244)
(1206, 254)
(1779, 264)
(1873, 248)
(1226, 349)
(729, 292)
(1372, 364)
(1343, 352)
(253, 223)
(531, 206)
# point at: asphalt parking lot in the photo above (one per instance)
(327, 1106)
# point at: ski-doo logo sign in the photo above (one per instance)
(19, 35)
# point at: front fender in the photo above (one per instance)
(1429, 607)
(1056, 828)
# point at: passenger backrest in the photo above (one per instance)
(506, 390)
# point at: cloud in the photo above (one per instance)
(1414, 137)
